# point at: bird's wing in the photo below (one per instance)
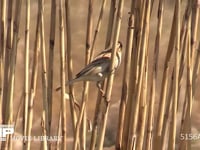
(105, 53)
(96, 66)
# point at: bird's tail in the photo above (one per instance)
(68, 83)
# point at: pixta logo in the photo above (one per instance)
(5, 130)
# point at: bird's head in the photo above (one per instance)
(119, 45)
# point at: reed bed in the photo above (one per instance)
(156, 107)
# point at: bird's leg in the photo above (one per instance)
(112, 71)
(89, 125)
(100, 88)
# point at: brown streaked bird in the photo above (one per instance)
(98, 69)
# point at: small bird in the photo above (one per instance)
(98, 69)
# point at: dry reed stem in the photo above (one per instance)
(43, 143)
(88, 58)
(189, 82)
(167, 115)
(164, 87)
(99, 97)
(82, 117)
(51, 59)
(7, 55)
(126, 80)
(142, 50)
(143, 104)
(33, 82)
(78, 124)
(185, 122)
(196, 69)
(3, 96)
(90, 52)
(150, 124)
(96, 119)
(59, 133)
(172, 140)
(186, 113)
(183, 37)
(2, 51)
(9, 104)
(139, 17)
(26, 67)
(111, 76)
(111, 20)
(46, 128)
(97, 28)
(9, 98)
(70, 64)
(132, 76)
(194, 30)
(62, 76)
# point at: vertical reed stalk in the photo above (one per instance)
(97, 28)
(9, 99)
(99, 97)
(164, 87)
(111, 23)
(2, 51)
(98, 103)
(59, 131)
(87, 60)
(51, 59)
(167, 115)
(70, 64)
(96, 119)
(7, 55)
(86, 84)
(194, 27)
(150, 123)
(26, 66)
(126, 77)
(195, 22)
(189, 82)
(46, 128)
(132, 77)
(111, 76)
(62, 75)
(33, 83)
(9, 110)
(176, 75)
(143, 104)
(196, 69)
(142, 50)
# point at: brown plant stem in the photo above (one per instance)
(111, 76)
